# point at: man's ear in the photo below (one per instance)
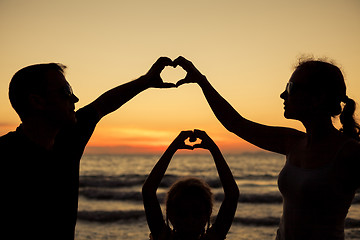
(36, 102)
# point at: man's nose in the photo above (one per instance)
(283, 95)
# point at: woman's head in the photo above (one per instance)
(318, 87)
(189, 205)
(326, 81)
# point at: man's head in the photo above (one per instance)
(41, 90)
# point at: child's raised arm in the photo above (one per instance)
(152, 207)
(227, 210)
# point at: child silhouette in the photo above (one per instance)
(189, 201)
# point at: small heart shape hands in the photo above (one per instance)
(193, 136)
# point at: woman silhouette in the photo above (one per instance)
(321, 173)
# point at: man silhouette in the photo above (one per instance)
(40, 160)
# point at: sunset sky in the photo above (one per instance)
(247, 50)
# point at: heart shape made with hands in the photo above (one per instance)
(192, 141)
(171, 74)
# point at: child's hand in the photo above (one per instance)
(179, 141)
(206, 141)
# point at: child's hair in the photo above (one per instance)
(189, 187)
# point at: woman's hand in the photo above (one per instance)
(193, 74)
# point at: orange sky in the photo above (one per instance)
(245, 48)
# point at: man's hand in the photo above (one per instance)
(153, 75)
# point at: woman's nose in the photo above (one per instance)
(283, 95)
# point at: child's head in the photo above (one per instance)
(189, 205)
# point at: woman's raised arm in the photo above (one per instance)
(275, 139)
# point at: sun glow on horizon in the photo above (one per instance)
(135, 140)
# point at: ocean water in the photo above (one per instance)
(110, 203)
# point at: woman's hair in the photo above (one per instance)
(326, 78)
(188, 187)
